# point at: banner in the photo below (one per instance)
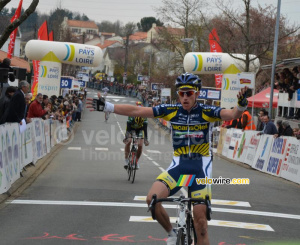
(230, 89)
(234, 143)
(246, 79)
(13, 35)
(51, 36)
(290, 168)
(215, 47)
(26, 146)
(47, 135)
(221, 140)
(262, 155)
(227, 142)
(252, 148)
(42, 35)
(243, 145)
(50, 75)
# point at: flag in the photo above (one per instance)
(13, 35)
(215, 47)
(185, 180)
(42, 35)
(51, 36)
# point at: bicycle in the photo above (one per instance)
(186, 233)
(132, 164)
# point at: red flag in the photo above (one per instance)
(51, 36)
(13, 35)
(43, 32)
(42, 35)
(215, 47)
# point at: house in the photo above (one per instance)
(79, 27)
(137, 37)
(155, 33)
(5, 21)
(107, 35)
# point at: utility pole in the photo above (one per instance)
(126, 58)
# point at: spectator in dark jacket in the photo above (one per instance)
(269, 127)
(260, 124)
(287, 130)
(279, 127)
(16, 108)
(4, 101)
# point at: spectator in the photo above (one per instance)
(246, 121)
(78, 103)
(269, 126)
(4, 101)
(28, 98)
(35, 109)
(261, 114)
(6, 65)
(287, 130)
(279, 127)
(16, 108)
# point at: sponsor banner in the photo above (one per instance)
(5, 183)
(216, 136)
(53, 133)
(67, 53)
(234, 143)
(290, 168)
(217, 63)
(227, 142)
(64, 130)
(243, 145)
(44, 146)
(38, 143)
(47, 135)
(263, 152)
(49, 78)
(246, 79)
(278, 151)
(221, 140)
(252, 148)
(211, 94)
(230, 89)
(26, 145)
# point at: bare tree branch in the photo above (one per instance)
(3, 4)
(9, 29)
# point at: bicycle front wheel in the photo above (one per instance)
(133, 166)
(190, 231)
(129, 168)
(180, 237)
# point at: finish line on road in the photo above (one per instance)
(144, 205)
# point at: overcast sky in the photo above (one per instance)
(134, 10)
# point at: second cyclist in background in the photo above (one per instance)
(139, 125)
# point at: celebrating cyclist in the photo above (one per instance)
(139, 125)
(191, 124)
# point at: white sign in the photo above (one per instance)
(49, 78)
(165, 92)
(252, 148)
(230, 89)
(246, 79)
(290, 168)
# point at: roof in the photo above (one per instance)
(283, 64)
(262, 99)
(137, 36)
(170, 30)
(106, 44)
(107, 34)
(15, 61)
(82, 24)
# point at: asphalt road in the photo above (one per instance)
(83, 197)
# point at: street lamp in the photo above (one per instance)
(187, 40)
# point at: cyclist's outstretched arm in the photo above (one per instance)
(133, 111)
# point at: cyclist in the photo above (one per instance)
(191, 124)
(139, 125)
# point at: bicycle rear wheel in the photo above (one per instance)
(190, 230)
(133, 166)
(180, 237)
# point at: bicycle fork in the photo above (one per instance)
(181, 222)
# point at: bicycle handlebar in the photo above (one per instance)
(205, 201)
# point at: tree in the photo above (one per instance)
(248, 30)
(10, 28)
(55, 20)
(146, 23)
(108, 26)
(128, 30)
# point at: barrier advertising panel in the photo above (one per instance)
(290, 168)
(4, 163)
(26, 146)
(227, 142)
(277, 154)
(263, 153)
(234, 143)
(252, 148)
(243, 145)
(221, 140)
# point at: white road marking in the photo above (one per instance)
(122, 149)
(223, 223)
(101, 149)
(116, 100)
(155, 163)
(74, 148)
(213, 201)
(145, 154)
(161, 169)
(144, 205)
(150, 159)
(114, 97)
(153, 151)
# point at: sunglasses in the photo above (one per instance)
(188, 93)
